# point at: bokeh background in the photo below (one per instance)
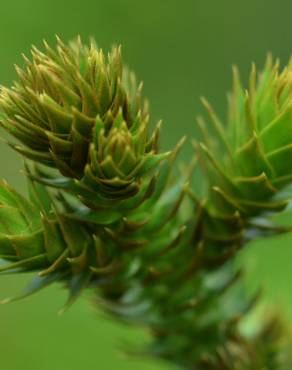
(182, 50)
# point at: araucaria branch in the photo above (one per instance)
(107, 211)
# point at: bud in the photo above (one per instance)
(120, 157)
(21, 236)
(34, 237)
(76, 110)
(256, 144)
(53, 107)
(260, 125)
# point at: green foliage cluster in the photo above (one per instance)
(107, 211)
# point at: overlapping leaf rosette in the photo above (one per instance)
(21, 230)
(248, 162)
(35, 238)
(76, 110)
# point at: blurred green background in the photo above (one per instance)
(182, 50)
